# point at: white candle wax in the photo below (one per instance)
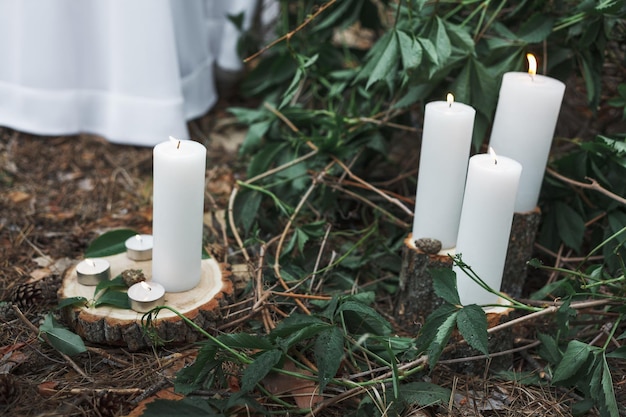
(485, 225)
(144, 296)
(139, 247)
(523, 128)
(93, 271)
(178, 206)
(446, 141)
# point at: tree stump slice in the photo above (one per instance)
(416, 297)
(519, 252)
(123, 327)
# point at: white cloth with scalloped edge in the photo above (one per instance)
(131, 71)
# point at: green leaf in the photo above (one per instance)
(410, 50)
(619, 353)
(246, 208)
(444, 283)
(472, 324)
(113, 298)
(258, 369)
(432, 324)
(186, 407)
(245, 341)
(441, 339)
(109, 243)
(72, 302)
(424, 394)
(193, 377)
(384, 57)
(296, 328)
(117, 282)
(573, 359)
(608, 402)
(549, 349)
(360, 318)
(570, 225)
(60, 338)
(536, 29)
(328, 354)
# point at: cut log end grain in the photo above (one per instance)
(123, 327)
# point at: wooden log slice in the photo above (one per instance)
(121, 327)
(520, 251)
(416, 297)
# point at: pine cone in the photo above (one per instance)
(9, 389)
(109, 404)
(28, 295)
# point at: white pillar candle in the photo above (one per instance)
(178, 207)
(486, 218)
(144, 296)
(93, 271)
(523, 127)
(446, 141)
(139, 247)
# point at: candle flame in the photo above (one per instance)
(138, 238)
(492, 153)
(450, 99)
(532, 64)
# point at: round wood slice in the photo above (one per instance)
(120, 327)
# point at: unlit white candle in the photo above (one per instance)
(139, 247)
(446, 141)
(523, 128)
(93, 271)
(178, 206)
(485, 224)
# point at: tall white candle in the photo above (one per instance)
(486, 218)
(178, 206)
(446, 141)
(523, 128)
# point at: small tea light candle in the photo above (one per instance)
(144, 296)
(139, 247)
(93, 271)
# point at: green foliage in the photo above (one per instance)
(61, 338)
(323, 182)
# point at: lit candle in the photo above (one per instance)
(93, 271)
(446, 141)
(139, 247)
(523, 128)
(144, 296)
(178, 207)
(486, 218)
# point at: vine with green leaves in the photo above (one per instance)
(322, 215)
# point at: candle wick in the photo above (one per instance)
(178, 146)
(449, 104)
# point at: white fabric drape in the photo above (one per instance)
(132, 71)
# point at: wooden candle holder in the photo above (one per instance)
(122, 327)
(416, 297)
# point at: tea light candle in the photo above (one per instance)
(144, 296)
(139, 247)
(485, 226)
(93, 271)
(446, 140)
(523, 127)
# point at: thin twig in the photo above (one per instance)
(288, 36)
(592, 185)
(372, 188)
